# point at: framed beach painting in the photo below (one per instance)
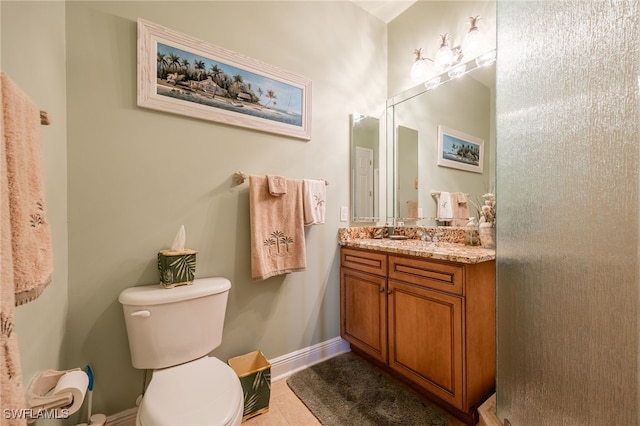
(183, 75)
(459, 150)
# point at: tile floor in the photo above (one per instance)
(285, 409)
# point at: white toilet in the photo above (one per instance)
(172, 331)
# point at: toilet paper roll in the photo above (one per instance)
(75, 383)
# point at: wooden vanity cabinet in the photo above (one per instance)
(363, 301)
(433, 324)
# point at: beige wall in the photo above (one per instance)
(135, 175)
(33, 55)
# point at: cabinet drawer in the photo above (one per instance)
(440, 276)
(365, 261)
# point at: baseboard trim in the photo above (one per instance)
(285, 365)
(123, 418)
(281, 368)
(487, 413)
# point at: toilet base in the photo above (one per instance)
(211, 394)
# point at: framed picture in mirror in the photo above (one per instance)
(459, 150)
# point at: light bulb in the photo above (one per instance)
(444, 55)
(472, 42)
(419, 70)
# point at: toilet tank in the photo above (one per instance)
(168, 327)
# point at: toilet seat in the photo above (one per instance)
(201, 392)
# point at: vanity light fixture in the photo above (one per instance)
(420, 68)
(446, 56)
(459, 70)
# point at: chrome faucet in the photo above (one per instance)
(436, 237)
(424, 236)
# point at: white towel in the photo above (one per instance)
(445, 209)
(314, 200)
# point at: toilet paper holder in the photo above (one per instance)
(61, 392)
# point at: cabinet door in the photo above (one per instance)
(425, 339)
(363, 306)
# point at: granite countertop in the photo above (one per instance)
(453, 252)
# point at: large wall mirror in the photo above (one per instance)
(365, 168)
(465, 105)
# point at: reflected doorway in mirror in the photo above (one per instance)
(365, 167)
(364, 181)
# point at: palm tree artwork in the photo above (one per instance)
(200, 69)
(271, 96)
(199, 79)
(286, 241)
(280, 241)
(174, 61)
(256, 389)
(176, 269)
(163, 64)
(456, 149)
(269, 243)
(277, 235)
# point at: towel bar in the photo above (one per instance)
(436, 194)
(44, 118)
(240, 178)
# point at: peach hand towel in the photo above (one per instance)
(30, 233)
(412, 209)
(277, 185)
(277, 229)
(460, 209)
(12, 392)
(315, 201)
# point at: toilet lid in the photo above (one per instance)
(202, 392)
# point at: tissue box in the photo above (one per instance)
(254, 372)
(176, 267)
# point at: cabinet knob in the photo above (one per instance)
(389, 291)
(381, 289)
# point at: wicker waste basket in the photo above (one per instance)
(254, 372)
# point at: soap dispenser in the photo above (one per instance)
(471, 235)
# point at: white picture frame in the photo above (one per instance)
(459, 150)
(183, 75)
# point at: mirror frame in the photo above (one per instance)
(392, 202)
(372, 143)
